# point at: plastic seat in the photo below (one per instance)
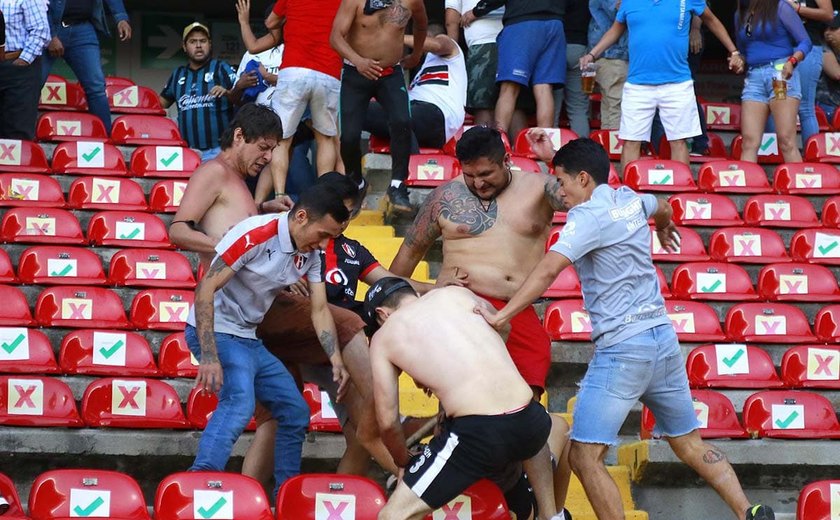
(382, 145)
(80, 306)
(30, 189)
(704, 209)
(431, 170)
(767, 323)
(26, 351)
(175, 359)
(823, 148)
(797, 282)
(731, 366)
(107, 353)
(819, 246)
(566, 285)
(449, 147)
(712, 281)
(166, 195)
(525, 164)
(806, 179)
(37, 401)
(659, 175)
(70, 126)
(316, 496)
(141, 130)
(722, 116)
(92, 493)
(132, 403)
(715, 412)
(118, 81)
(161, 309)
(7, 271)
(827, 323)
(201, 405)
(88, 158)
(559, 137)
(481, 501)
(97, 193)
(690, 248)
(716, 152)
(780, 211)
(663, 283)
(151, 268)
(831, 212)
(322, 417)
(815, 499)
(609, 141)
(790, 414)
(38, 225)
(733, 177)
(164, 161)
(205, 494)
(567, 320)
(60, 94)
(60, 265)
(15, 309)
(768, 149)
(747, 245)
(812, 366)
(9, 493)
(694, 321)
(128, 229)
(133, 100)
(18, 156)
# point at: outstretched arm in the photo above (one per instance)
(607, 40)
(441, 44)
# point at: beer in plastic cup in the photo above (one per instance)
(779, 86)
(587, 78)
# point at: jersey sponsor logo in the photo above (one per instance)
(336, 277)
(349, 250)
(436, 75)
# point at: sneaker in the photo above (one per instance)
(398, 198)
(562, 515)
(760, 512)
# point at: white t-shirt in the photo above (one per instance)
(443, 82)
(484, 29)
(269, 59)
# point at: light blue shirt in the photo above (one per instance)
(603, 15)
(27, 27)
(608, 240)
(658, 39)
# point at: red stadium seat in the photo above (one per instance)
(431, 170)
(166, 196)
(690, 248)
(96, 193)
(315, 496)
(7, 271)
(140, 130)
(161, 309)
(322, 417)
(663, 283)
(202, 494)
(694, 321)
(790, 414)
(93, 493)
(767, 323)
(9, 493)
(827, 324)
(26, 351)
(18, 156)
(80, 306)
(609, 141)
(731, 366)
(797, 282)
(715, 412)
(70, 126)
(164, 161)
(107, 353)
(722, 116)
(806, 179)
(37, 401)
(60, 94)
(15, 311)
(201, 405)
(132, 403)
(481, 501)
(118, 81)
(823, 148)
(566, 285)
(768, 149)
(88, 158)
(704, 209)
(659, 175)
(30, 189)
(780, 211)
(60, 265)
(559, 137)
(382, 145)
(732, 176)
(151, 268)
(449, 147)
(717, 150)
(822, 119)
(819, 500)
(831, 212)
(38, 225)
(812, 366)
(746, 245)
(524, 164)
(128, 229)
(819, 246)
(133, 100)
(567, 320)
(712, 281)
(175, 359)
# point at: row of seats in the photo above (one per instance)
(787, 211)
(819, 501)
(727, 116)
(60, 94)
(127, 130)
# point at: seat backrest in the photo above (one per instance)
(747, 245)
(715, 413)
(164, 161)
(790, 414)
(812, 366)
(525, 164)
(15, 309)
(7, 270)
(18, 156)
(37, 401)
(689, 249)
(315, 496)
(731, 176)
(206, 494)
(138, 130)
(26, 351)
(200, 407)
(823, 147)
(780, 211)
(830, 217)
(768, 149)
(60, 94)
(731, 366)
(161, 309)
(175, 359)
(567, 320)
(659, 175)
(30, 189)
(819, 500)
(609, 141)
(166, 195)
(88, 158)
(816, 245)
(430, 170)
(559, 137)
(767, 323)
(704, 209)
(712, 281)
(38, 225)
(322, 417)
(566, 285)
(722, 116)
(97, 193)
(132, 403)
(827, 323)
(118, 81)
(60, 265)
(107, 353)
(90, 493)
(9, 493)
(133, 99)
(128, 229)
(80, 306)
(481, 501)
(70, 126)
(694, 321)
(806, 179)
(151, 268)
(797, 282)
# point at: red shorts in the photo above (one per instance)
(528, 344)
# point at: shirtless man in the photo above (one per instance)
(494, 224)
(368, 34)
(491, 421)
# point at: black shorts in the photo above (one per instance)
(473, 447)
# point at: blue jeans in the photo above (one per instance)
(81, 52)
(577, 103)
(809, 74)
(250, 373)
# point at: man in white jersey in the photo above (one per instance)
(637, 355)
(257, 259)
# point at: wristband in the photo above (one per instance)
(593, 56)
(793, 61)
(735, 53)
(278, 194)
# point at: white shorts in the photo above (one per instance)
(298, 88)
(677, 110)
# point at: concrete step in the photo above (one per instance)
(577, 503)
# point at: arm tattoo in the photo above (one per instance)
(459, 206)
(425, 229)
(327, 342)
(713, 456)
(552, 194)
(205, 318)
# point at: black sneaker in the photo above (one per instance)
(760, 512)
(398, 198)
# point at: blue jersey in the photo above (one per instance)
(201, 117)
(608, 240)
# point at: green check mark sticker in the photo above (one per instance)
(63, 272)
(767, 144)
(89, 510)
(782, 424)
(93, 153)
(711, 288)
(828, 247)
(166, 161)
(108, 352)
(664, 180)
(208, 513)
(10, 347)
(730, 361)
(134, 233)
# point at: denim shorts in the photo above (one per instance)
(758, 85)
(648, 367)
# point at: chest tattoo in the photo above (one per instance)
(459, 206)
(395, 14)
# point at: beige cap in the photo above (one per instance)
(192, 27)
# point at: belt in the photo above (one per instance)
(70, 23)
(12, 55)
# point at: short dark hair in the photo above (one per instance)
(256, 121)
(478, 142)
(341, 183)
(320, 200)
(584, 154)
(386, 292)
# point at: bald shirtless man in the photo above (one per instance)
(368, 34)
(491, 421)
(494, 223)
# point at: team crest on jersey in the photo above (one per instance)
(349, 250)
(208, 77)
(299, 261)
